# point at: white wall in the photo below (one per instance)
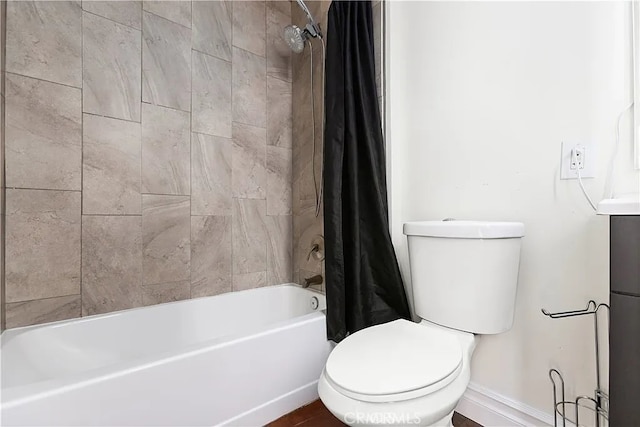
(480, 96)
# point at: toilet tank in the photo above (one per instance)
(464, 274)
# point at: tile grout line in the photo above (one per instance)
(163, 18)
(81, 159)
(44, 299)
(234, 201)
(247, 50)
(191, 157)
(113, 20)
(140, 285)
(207, 53)
(266, 139)
(42, 80)
(41, 189)
(108, 117)
(111, 215)
(3, 199)
(170, 282)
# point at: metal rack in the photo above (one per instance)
(599, 403)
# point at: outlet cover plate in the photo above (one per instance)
(590, 160)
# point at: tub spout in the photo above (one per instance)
(313, 280)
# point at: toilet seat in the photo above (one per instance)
(395, 361)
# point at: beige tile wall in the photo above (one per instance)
(306, 226)
(148, 153)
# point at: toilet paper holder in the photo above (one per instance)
(599, 403)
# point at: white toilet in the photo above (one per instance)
(464, 277)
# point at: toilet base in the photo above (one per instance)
(444, 422)
(432, 410)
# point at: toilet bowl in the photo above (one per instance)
(398, 373)
(464, 279)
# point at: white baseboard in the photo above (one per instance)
(491, 409)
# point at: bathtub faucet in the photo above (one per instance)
(313, 280)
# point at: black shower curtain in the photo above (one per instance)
(363, 281)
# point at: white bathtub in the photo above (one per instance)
(243, 358)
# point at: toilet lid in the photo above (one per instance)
(393, 358)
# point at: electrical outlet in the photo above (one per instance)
(578, 156)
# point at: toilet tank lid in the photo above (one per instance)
(455, 229)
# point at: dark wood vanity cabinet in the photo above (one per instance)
(624, 339)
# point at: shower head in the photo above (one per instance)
(295, 38)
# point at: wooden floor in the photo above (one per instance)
(317, 415)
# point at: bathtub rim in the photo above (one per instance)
(12, 332)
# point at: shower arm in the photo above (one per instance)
(312, 28)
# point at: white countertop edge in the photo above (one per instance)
(625, 205)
